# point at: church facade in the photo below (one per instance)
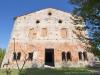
(46, 39)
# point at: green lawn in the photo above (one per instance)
(65, 71)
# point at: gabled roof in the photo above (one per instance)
(46, 9)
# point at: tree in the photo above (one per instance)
(89, 10)
(79, 31)
(2, 53)
(20, 68)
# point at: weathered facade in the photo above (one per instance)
(46, 38)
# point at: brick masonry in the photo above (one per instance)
(45, 29)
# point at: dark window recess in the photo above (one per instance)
(80, 55)
(14, 56)
(49, 13)
(85, 55)
(18, 55)
(60, 21)
(68, 56)
(37, 21)
(63, 56)
(30, 56)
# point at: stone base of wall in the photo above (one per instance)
(57, 65)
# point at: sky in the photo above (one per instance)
(12, 8)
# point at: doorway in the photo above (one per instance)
(49, 57)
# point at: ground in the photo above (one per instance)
(64, 71)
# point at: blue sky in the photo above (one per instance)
(12, 8)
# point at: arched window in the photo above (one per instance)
(63, 56)
(14, 55)
(80, 55)
(69, 56)
(30, 56)
(85, 55)
(18, 55)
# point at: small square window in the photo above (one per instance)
(60, 21)
(37, 21)
(49, 13)
(30, 56)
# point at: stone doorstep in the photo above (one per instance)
(46, 66)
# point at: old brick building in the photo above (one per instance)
(46, 38)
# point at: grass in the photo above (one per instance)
(63, 71)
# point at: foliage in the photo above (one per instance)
(2, 53)
(89, 10)
(95, 50)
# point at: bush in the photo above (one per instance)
(2, 53)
